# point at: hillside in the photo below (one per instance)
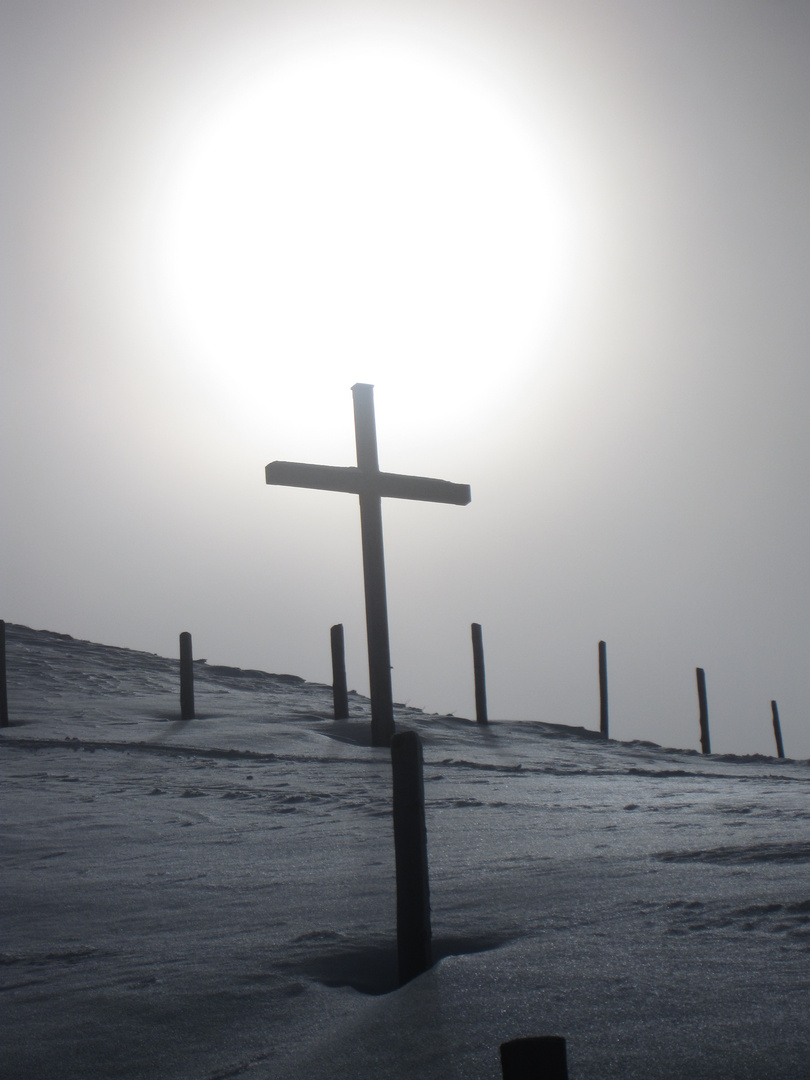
(215, 898)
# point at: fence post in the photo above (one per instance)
(705, 743)
(480, 676)
(539, 1058)
(777, 731)
(340, 693)
(3, 688)
(603, 689)
(186, 678)
(410, 847)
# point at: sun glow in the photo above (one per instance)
(366, 211)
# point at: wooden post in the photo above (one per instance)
(705, 743)
(186, 678)
(3, 689)
(540, 1058)
(777, 731)
(410, 847)
(603, 691)
(340, 693)
(480, 676)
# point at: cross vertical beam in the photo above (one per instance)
(371, 531)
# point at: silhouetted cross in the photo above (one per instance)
(371, 485)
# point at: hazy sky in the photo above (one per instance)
(569, 245)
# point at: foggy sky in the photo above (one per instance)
(644, 480)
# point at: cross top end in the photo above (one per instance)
(365, 478)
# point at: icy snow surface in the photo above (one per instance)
(215, 898)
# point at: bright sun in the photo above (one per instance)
(367, 211)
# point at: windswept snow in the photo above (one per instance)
(215, 898)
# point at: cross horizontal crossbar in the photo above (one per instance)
(366, 482)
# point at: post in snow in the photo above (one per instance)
(540, 1057)
(340, 692)
(705, 742)
(777, 731)
(186, 678)
(603, 689)
(479, 674)
(414, 952)
(372, 486)
(3, 686)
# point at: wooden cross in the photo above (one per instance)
(371, 485)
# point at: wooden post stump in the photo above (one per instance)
(340, 693)
(603, 689)
(3, 687)
(777, 731)
(410, 845)
(539, 1058)
(479, 673)
(186, 678)
(705, 742)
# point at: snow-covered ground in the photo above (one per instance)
(215, 898)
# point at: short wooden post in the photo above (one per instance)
(410, 846)
(705, 743)
(603, 689)
(539, 1058)
(480, 676)
(340, 693)
(186, 678)
(777, 731)
(3, 688)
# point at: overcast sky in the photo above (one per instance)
(568, 244)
